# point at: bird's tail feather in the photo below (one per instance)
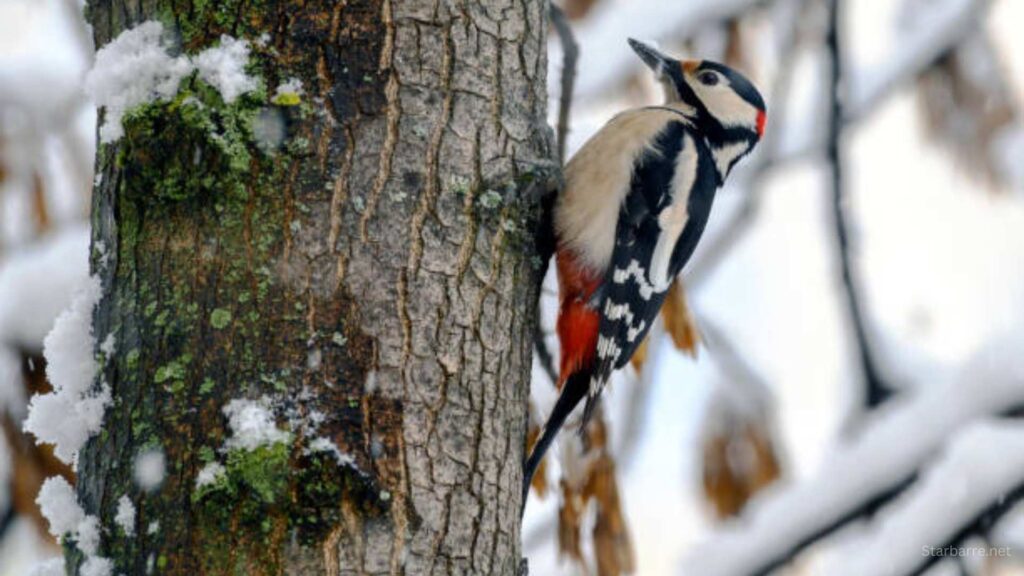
(573, 391)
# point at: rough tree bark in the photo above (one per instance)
(374, 267)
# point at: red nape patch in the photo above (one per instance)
(762, 118)
(578, 323)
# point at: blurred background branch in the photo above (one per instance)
(875, 390)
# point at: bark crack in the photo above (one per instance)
(465, 255)
(338, 197)
(393, 113)
(433, 152)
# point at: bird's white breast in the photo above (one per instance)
(597, 180)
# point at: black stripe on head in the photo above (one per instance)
(704, 120)
(738, 82)
(686, 94)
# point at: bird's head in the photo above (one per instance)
(725, 104)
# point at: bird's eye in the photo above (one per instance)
(708, 78)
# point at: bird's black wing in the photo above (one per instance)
(629, 302)
(632, 295)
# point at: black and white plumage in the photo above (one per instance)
(637, 197)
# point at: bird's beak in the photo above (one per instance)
(657, 61)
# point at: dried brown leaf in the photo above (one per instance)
(570, 516)
(612, 545)
(576, 9)
(596, 438)
(679, 321)
(721, 488)
(967, 103)
(767, 469)
(724, 41)
(39, 210)
(735, 47)
(737, 465)
(611, 541)
(640, 356)
(539, 482)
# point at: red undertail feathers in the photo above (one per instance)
(578, 321)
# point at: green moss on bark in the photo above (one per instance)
(282, 491)
(195, 145)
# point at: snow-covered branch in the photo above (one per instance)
(894, 446)
(977, 476)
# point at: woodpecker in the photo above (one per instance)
(634, 204)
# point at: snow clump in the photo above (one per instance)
(73, 412)
(252, 424)
(136, 68)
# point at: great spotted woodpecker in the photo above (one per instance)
(635, 202)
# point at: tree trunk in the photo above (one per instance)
(374, 268)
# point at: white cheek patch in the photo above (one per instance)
(725, 156)
(726, 105)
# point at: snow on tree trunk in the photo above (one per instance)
(312, 237)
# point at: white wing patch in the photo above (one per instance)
(621, 275)
(614, 311)
(633, 331)
(673, 218)
(607, 348)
